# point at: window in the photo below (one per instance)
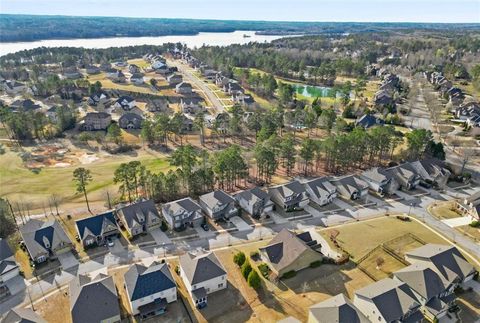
(220, 285)
(379, 318)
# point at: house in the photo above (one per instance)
(209, 74)
(92, 69)
(8, 266)
(157, 105)
(94, 300)
(139, 217)
(335, 309)
(187, 123)
(137, 79)
(368, 121)
(405, 175)
(218, 205)
(191, 106)
(446, 259)
(232, 87)
(22, 315)
(470, 206)
(24, 105)
(289, 251)
(159, 65)
(289, 196)
(96, 121)
(44, 240)
(72, 74)
(183, 88)
(98, 98)
(350, 187)
(116, 76)
(182, 213)
(125, 102)
(150, 289)
(174, 79)
(254, 201)
(120, 64)
(242, 98)
(388, 300)
(130, 121)
(382, 99)
(434, 291)
(52, 113)
(432, 171)
(202, 274)
(380, 181)
(94, 230)
(320, 190)
(13, 87)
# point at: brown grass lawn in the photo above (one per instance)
(470, 231)
(56, 308)
(360, 237)
(390, 264)
(445, 210)
(122, 293)
(21, 257)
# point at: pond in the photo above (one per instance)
(310, 91)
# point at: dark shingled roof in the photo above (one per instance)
(22, 315)
(144, 281)
(5, 251)
(200, 268)
(95, 224)
(142, 208)
(336, 309)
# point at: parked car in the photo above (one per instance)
(110, 242)
(205, 227)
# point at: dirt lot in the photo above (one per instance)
(445, 210)
(56, 308)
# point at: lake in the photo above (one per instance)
(310, 91)
(213, 39)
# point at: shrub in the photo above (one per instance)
(315, 264)
(264, 270)
(475, 224)
(254, 255)
(164, 226)
(289, 274)
(254, 280)
(239, 258)
(246, 269)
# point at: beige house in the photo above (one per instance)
(470, 206)
(288, 251)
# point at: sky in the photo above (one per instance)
(461, 11)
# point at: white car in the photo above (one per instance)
(110, 242)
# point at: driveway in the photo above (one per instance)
(404, 195)
(343, 205)
(457, 222)
(160, 237)
(240, 224)
(313, 211)
(67, 260)
(204, 234)
(278, 219)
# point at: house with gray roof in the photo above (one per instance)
(289, 196)
(288, 251)
(22, 315)
(320, 190)
(432, 289)
(13, 87)
(202, 274)
(254, 201)
(432, 171)
(380, 181)
(335, 309)
(94, 300)
(350, 187)
(183, 88)
(139, 217)
(125, 102)
(405, 175)
(446, 259)
(182, 213)
(94, 230)
(8, 266)
(137, 78)
(174, 79)
(218, 205)
(388, 300)
(44, 240)
(96, 121)
(130, 121)
(367, 121)
(150, 289)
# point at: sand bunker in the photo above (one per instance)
(87, 159)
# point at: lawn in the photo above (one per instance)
(444, 210)
(56, 308)
(390, 264)
(371, 233)
(472, 232)
(19, 183)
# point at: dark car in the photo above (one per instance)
(205, 226)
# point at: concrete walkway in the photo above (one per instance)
(457, 222)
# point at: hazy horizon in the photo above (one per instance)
(395, 11)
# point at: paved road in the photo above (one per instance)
(199, 83)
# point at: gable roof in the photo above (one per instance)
(423, 279)
(368, 120)
(336, 309)
(142, 281)
(392, 298)
(133, 213)
(284, 249)
(321, 185)
(5, 250)
(95, 225)
(183, 205)
(22, 315)
(376, 174)
(93, 300)
(37, 234)
(215, 198)
(202, 267)
(293, 187)
(446, 259)
(349, 184)
(253, 195)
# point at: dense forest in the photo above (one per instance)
(30, 28)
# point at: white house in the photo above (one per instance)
(202, 274)
(150, 289)
(321, 191)
(13, 87)
(8, 266)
